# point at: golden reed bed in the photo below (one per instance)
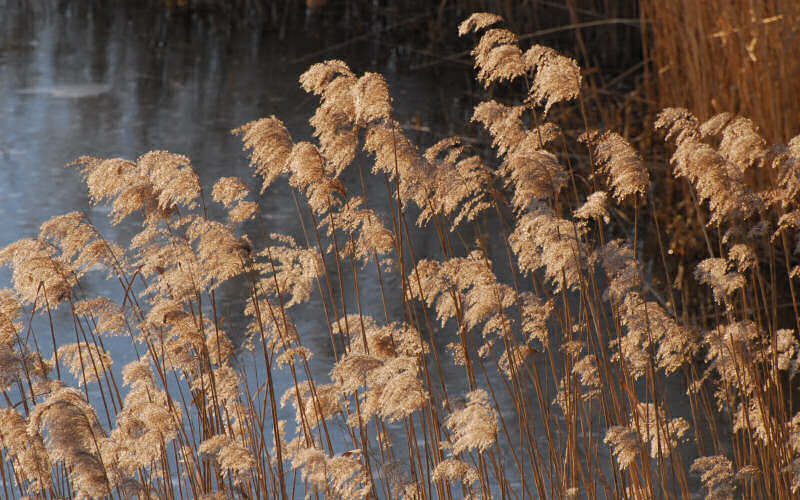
(582, 335)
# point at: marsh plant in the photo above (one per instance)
(586, 368)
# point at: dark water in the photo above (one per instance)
(83, 80)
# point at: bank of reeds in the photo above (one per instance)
(750, 47)
(570, 340)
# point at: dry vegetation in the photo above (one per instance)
(750, 47)
(571, 339)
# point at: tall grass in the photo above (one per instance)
(569, 339)
(750, 47)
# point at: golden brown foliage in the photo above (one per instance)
(566, 316)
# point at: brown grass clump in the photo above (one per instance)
(567, 338)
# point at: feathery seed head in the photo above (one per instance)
(474, 426)
(503, 122)
(295, 271)
(229, 190)
(542, 240)
(86, 362)
(317, 78)
(352, 369)
(594, 207)
(477, 22)
(740, 143)
(36, 270)
(270, 144)
(624, 444)
(743, 255)
(536, 175)
(716, 473)
(586, 369)
(371, 99)
(316, 405)
(233, 457)
(557, 79)
(395, 155)
(81, 244)
(173, 179)
(452, 469)
(30, 458)
(459, 184)
(716, 124)
(617, 159)
(73, 431)
(715, 177)
(109, 317)
(370, 236)
(396, 390)
(713, 272)
(220, 254)
(621, 269)
(678, 124)
(497, 57)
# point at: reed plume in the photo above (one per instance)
(474, 426)
(73, 435)
(716, 472)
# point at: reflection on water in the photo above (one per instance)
(76, 91)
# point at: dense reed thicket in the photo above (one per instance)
(749, 46)
(570, 338)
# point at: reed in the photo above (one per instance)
(584, 370)
(747, 43)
